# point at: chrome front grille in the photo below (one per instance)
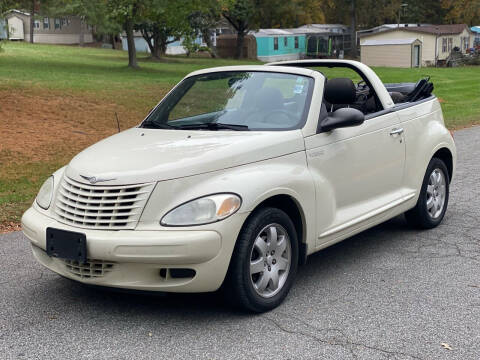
(101, 206)
(91, 269)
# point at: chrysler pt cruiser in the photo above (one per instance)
(240, 173)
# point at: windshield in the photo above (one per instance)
(235, 100)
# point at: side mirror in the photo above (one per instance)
(344, 117)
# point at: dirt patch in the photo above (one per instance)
(42, 130)
(39, 126)
(9, 227)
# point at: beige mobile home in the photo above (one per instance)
(48, 30)
(437, 41)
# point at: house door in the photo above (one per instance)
(416, 56)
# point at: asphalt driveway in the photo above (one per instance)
(388, 293)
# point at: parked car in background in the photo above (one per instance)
(238, 175)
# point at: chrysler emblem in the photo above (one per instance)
(93, 179)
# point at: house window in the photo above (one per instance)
(465, 42)
(444, 45)
(57, 24)
(64, 22)
(450, 44)
(285, 41)
(36, 24)
(46, 23)
(296, 42)
(275, 43)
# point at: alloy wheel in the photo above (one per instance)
(270, 260)
(436, 193)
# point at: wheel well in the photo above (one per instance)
(290, 206)
(446, 156)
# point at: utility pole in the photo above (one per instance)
(402, 7)
(353, 28)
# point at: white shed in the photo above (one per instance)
(403, 53)
(15, 28)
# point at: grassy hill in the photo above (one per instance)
(57, 100)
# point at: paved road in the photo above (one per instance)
(388, 293)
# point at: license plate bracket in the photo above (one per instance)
(68, 245)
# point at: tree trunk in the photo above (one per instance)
(353, 25)
(161, 42)
(157, 51)
(112, 41)
(132, 52)
(239, 49)
(158, 42)
(81, 37)
(206, 34)
(149, 40)
(32, 20)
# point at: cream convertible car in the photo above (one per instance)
(239, 174)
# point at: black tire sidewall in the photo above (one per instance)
(241, 281)
(425, 219)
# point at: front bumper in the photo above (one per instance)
(142, 260)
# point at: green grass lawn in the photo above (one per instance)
(99, 70)
(56, 100)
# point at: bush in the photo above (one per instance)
(189, 44)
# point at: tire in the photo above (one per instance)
(264, 262)
(433, 199)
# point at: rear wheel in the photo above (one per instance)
(264, 262)
(433, 199)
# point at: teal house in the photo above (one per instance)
(476, 33)
(279, 44)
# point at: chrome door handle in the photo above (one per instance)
(396, 131)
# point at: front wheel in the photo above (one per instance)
(433, 199)
(264, 262)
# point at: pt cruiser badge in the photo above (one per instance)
(93, 179)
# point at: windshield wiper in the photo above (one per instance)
(153, 125)
(214, 126)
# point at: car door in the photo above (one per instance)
(358, 175)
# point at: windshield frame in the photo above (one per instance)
(300, 125)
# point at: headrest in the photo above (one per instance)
(269, 99)
(340, 91)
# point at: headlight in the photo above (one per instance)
(44, 197)
(204, 210)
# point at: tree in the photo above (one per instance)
(204, 20)
(462, 11)
(287, 14)
(127, 12)
(241, 15)
(163, 22)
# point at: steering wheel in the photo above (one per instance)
(270, 116)
(278, 116)
(362, 84)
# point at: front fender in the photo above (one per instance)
(254, 183)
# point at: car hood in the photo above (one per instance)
(146, 155)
